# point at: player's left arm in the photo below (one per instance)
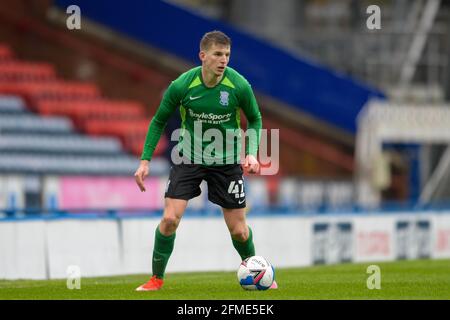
(251, 110)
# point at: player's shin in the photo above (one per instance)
(161, 253)
(247, 248)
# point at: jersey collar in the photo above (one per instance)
(219, 83)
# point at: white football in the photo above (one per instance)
(256, 273)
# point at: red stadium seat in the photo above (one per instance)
(82, 102)
(5, 52)
(52, 89)
(12, 70)
(84, 110)
(137, 144)
(116, 126)
(132, 133)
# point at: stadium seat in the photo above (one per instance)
(80, 111)
(51, 143)
(64, 164)
(25, 71)
(339, 194)
(5, 52)
(66, 105)
(81, 102)
(131, 132)
(121, 128)
(288, 193)
(31, 123)
(11, 104)
(30, 143)
(51, 89)
(311, 194)
(257, 193)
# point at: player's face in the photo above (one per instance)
(216, 58)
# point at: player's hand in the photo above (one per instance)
(141, 173)
(251, 164)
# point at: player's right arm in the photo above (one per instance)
(169, 103)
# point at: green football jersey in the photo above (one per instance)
(210, 118)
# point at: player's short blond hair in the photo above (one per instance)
(214, 37)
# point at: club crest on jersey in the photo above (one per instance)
(224, 98)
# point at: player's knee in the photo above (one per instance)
(170, 222)
(239, 234)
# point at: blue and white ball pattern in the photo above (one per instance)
(256, 273)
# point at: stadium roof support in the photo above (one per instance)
(418, 43)
(438, 176)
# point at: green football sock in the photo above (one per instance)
(161, 252)
(245, 249)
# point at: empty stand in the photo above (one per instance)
(68, 164)
(25, 71)
(55, 89)
(92, 109)
(11, 105)
(83, 103)
(50, 143)
(30, 143)
(34, 124)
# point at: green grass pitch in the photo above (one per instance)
(415, 279)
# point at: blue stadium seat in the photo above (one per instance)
(11, 104)
(30, 123)
(45, 143)
(65, 164)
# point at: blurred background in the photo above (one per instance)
(362, 112)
